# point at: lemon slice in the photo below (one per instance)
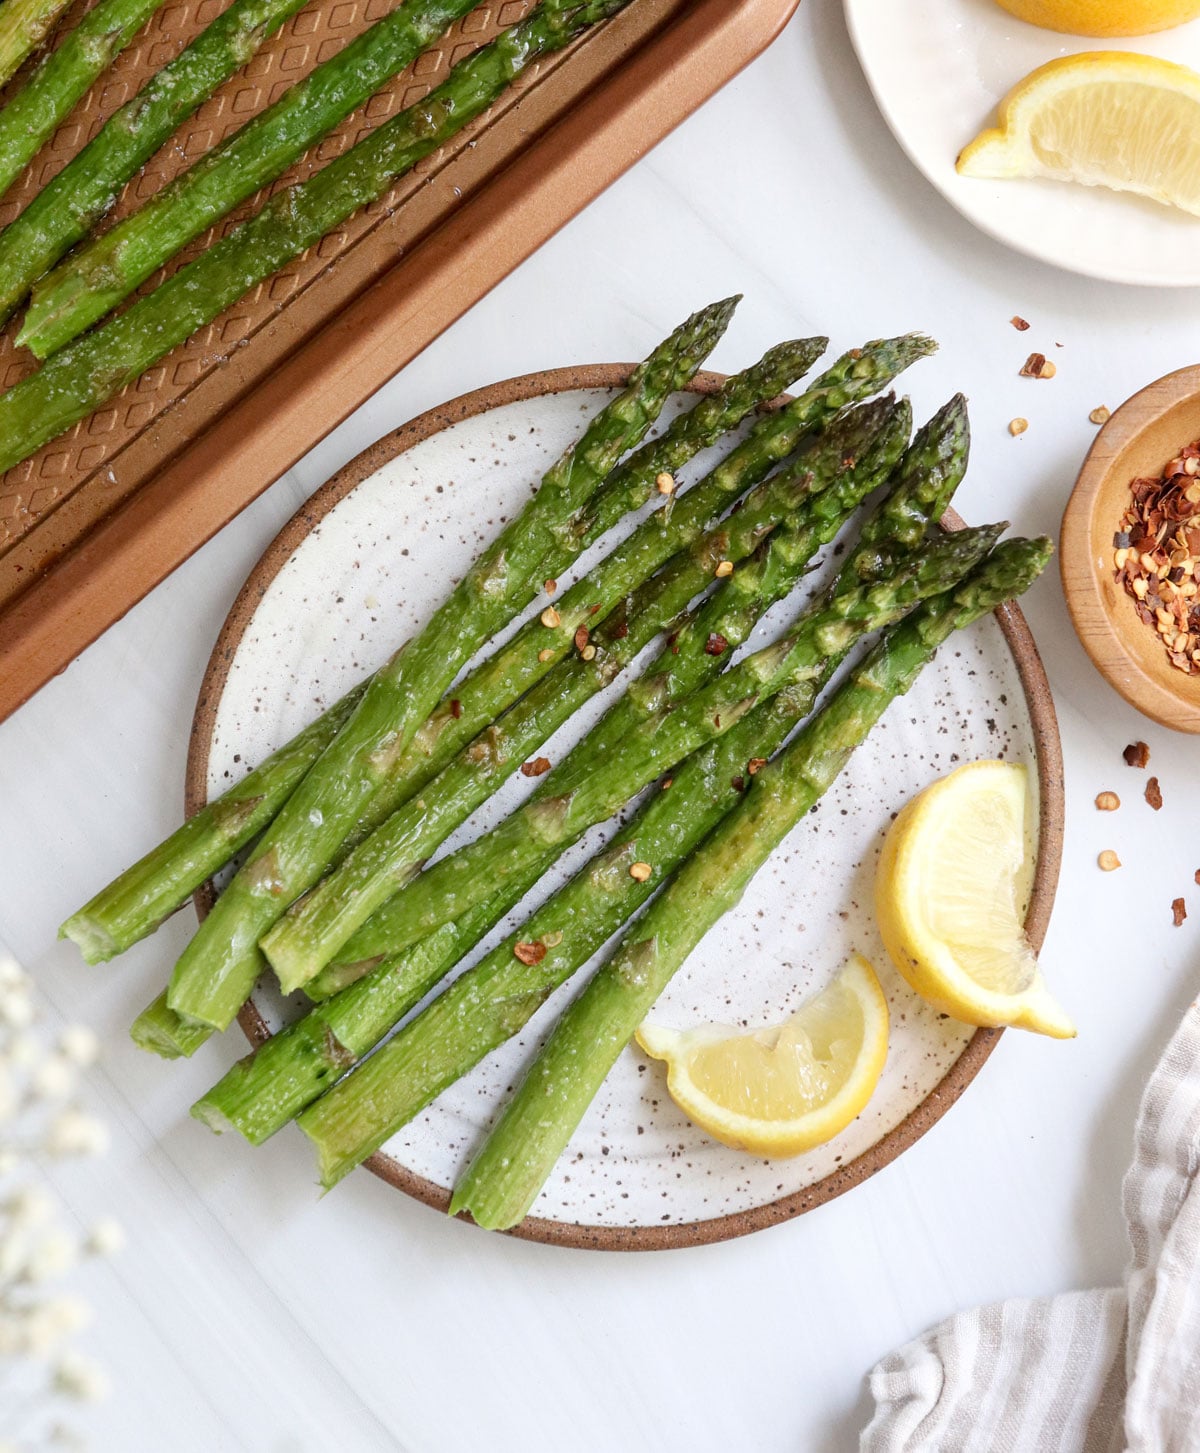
(1104, 118)
(948, 896)
(786, 1089)
(1103, 17)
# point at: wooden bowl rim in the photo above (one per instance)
(1104, 642)
(1048, 751)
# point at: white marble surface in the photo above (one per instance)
(246, 1313)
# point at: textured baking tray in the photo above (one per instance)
(101, 515)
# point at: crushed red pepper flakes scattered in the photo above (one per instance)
(738, 783)
(1153, 793)
(551, 586)
(455, 708)
(1108, 802)
(1178, 911)
(1196, 875)
(545, 654)
(1017, 426)
(581, 637)
(620, 630)
(529, 953)
(716, 645)
(1156, 556)
(537, 768)
(550, 617)
(1136, 754)
(1108, 860)
(640, 872)
(724, 568)
(1100, 415)
(755, 765)
(1019, 323)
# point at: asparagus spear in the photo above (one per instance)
(94, 279)
(59, 80)
(217, 970)
(622, 754)
(136, 902)
(489, 1004)
(495, 999)
(95, 367)
(69, 206)
(24, 24)
(307, 937)
(505, 1176)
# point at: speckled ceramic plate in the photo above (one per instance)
(938, 68)
(361, 566)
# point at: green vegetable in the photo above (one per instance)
(308, 937)
(646, 733)
(259, 1095)
(24, 24)
(217, 970)
(507, 1173)
(95, 367)
(96, 277)
(33, 114)
(67, 208)
(145, 894)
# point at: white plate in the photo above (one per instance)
(938, 68)
(371, 571)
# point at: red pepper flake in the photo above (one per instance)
(592, 609)
(738, 784)
(529, 953)
(1019, 323)
(537, 768)
(455, 708)
(716, 645)
(666, 782)
(1179, 911)
(1136, 754)
(1153, 793)
(755, 765)
(581, 637)
(620, 630)
(1196, 875)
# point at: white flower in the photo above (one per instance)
(74, 1132)
(55, 1253)
(53, 1079)
(29, 1206)
(80, 1045)
(10, 1099)
(16, 1008)
(79, 1377)
(8, 1162)
(107, 1237)
(21, 1051)
(14, 1340)
(14, 1254)
(48, 1323)
(12, 975)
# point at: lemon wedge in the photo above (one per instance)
(786, 1089)
(1103, 17)
(948, 897)
(1105, 119)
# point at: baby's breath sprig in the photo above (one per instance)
(42, 1119)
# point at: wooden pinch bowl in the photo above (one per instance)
(1137, 441)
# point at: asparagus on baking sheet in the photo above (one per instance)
(70, 205)
(105, 270)
(509, 1170)
(93, 368)
(31, 116)
(24, 24)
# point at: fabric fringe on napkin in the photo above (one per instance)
(1084, 1372)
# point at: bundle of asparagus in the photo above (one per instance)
(92, 369)
(336, 892)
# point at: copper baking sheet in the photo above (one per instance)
(99, 516)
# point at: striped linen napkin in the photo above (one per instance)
(1084, 1372)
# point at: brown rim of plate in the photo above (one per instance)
(1048, 750)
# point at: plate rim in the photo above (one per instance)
(852, 11)
(1051, 802)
